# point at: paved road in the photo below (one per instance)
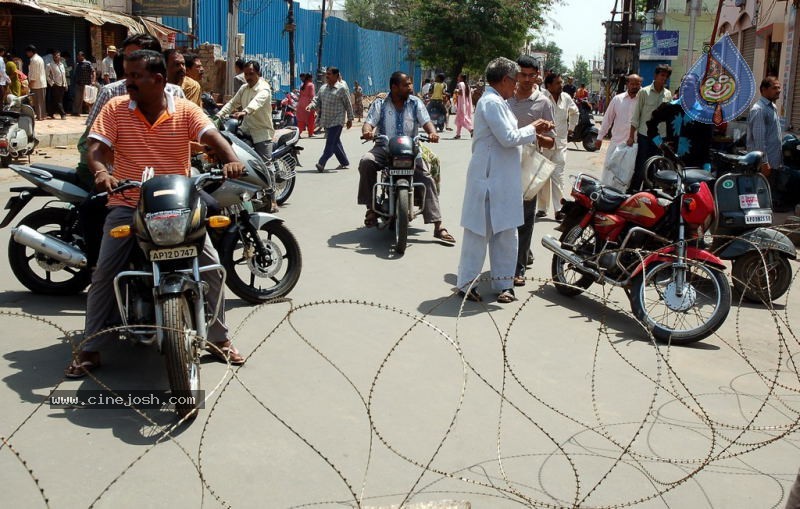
(374, 386)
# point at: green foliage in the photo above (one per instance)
(385, 15)
(581, 72)
(554, 56)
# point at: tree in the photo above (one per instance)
(554, 55)
(385, 15)
(466, 34)
(581, 72)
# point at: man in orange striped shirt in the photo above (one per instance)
(145, 128)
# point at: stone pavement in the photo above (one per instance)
(60, 133)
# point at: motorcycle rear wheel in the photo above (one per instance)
(284, 188)
(569, 281)
(180, 357)
(40, 273)
(751, 274)
(246, 270)
(401, 222)
(696, 314)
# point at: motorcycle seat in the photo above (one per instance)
(669, 178)
(610, 199)
(284, 136)
(60, 172)
(10, 114)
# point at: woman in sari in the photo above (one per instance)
(306, 118)
(463, 107)
(14, 84)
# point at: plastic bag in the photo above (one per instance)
(621, 163)
(536, 169)
(89, 94)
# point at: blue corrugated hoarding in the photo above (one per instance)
(366, 56)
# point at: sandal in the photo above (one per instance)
(506, 296)
(225, 352)
(472, 295)
(371, 219)
(444, 235)
(343, 167)
(80, 369)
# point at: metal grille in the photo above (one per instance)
(285, 167)
(749, 45)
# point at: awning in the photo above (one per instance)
(99, 17)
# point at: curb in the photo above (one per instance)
(57, 140)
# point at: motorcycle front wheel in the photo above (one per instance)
(257, 278)
(761, 280)
(180, 353)
(401, 222)
(681, 315)
(569, 281)
(40, 273)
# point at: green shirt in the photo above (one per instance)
(647, 100)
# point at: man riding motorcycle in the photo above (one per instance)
(147, 128)
(400, 113)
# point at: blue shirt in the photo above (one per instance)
(764, 132)
(397, 123)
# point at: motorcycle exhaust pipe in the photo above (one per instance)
(555, 246)
(50, 246)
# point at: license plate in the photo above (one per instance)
(173, 253)
(395, 172)
(748, 201)
(758, 219)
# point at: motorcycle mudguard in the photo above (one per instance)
(758, 239)
(402, 184)
(16, 203)
(259, 219)
(692, 253)
(64, 191)
(172, 284)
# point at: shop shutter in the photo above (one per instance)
(749, 46)
(65, 33)
(794, 120)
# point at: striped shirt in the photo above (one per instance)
(333, 104)
(117, 89)
(137, 144)
(764, 132)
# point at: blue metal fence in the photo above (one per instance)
(366, 56)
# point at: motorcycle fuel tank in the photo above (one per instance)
(642, 209)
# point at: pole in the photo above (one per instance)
(233, 29)
(193, 31)
(291, 26)
(319, 48)
(693, 13)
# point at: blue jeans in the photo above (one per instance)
(333, 146)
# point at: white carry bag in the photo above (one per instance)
(536, 169)
(620, 168)
(89, 94)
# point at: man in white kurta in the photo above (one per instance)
(566, 112)
(618, 115)
(492, 208)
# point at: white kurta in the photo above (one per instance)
(494, 170)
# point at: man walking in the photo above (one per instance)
(57, 81)
(647, 100)
(566, 113)
(333, 99)
(529, 104)
(84, 76)
(4, 79)
(37, 81)
(107, 72)
(617, 118)
(764, 126)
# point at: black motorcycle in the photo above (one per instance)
(584, 132)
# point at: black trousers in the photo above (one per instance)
(646, 150)
(525, 232)
(56, 104)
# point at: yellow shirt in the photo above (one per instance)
(256, 101)
(438, 92)
(192, 90)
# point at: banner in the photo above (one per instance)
(658, 44)
(177, 8)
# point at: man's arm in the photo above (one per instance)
(262, 98)
(234, 104)
(608, 120)
(50, 76)
(635, 116)
(348, 107)
(100, 158)
(572, 113)
(371, 120)
(222, 150)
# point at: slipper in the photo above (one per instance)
(320, 168)
(224, 352)
(457, 137)
(506, 296)
(343, 167)
(519, 281)
(80, 370)
(371, 219)
(473, 295)
(444, 235)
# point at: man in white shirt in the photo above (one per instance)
(37, 81)
(566, 112)
(57, 82)
(618, 114)
(3, 76)
(107, 66)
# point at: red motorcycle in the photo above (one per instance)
(650, 244)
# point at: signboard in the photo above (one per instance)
(658, 44)
(177, 8)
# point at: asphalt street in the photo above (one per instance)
(374, 386)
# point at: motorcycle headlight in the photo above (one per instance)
(167, 227)
(403, 162)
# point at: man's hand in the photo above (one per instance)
(433, 137)
(105, 182)
(238, 115)
(309, 108)
(233, 170)
(349, 124)
(630, 141)
(598, 143)
(766, 169)
(542, 125)
(367, 135)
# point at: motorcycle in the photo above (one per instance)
(289, 110)
(437, 114)
(285, 155)
(48, 254)
(741, 230)
(584, 132)
(646, 243)
(393, 196)
(17, 133)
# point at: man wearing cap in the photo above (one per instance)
(107, 66)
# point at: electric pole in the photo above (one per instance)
(319, 48)
(290, 28)
(233, 29)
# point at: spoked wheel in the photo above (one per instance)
(761, 279)
(181, 354)
(284, 178)
(258, 277)
(569, 281)
(401, 222)
(40, 273)
(681, 312)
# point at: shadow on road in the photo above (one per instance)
(373, 242)
(44, 305)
